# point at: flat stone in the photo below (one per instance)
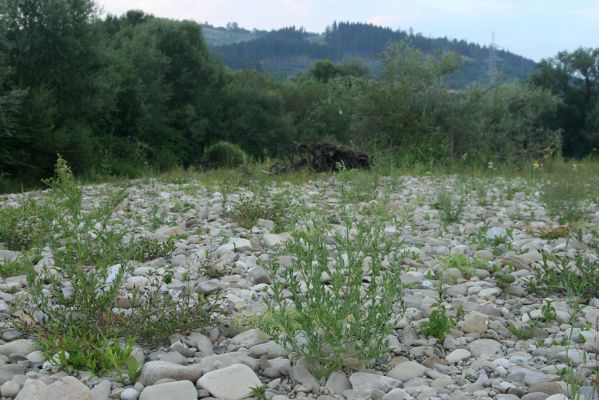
(69, 388)
(338, 383)
(9, 389)
(496, 233)
(546, 387)
(33, 389)
(7, 371)
(20, 347)
(484, 346)
(529, 377)
(270, 349)
(250, 338)
(397, 394)
(259, 275)
(275, 368)
(457, 356)
(216, 361)
(535, 396)
(102, 390)
(489, 292)
(557, 397)
(209, 286)
(180, 390)
(474, 322)
(301, 374)
(574, 357)
(129, 394)
(232, 383)
(273, 240)
(406, 371)
(155, 370)
(235, 244)
(200, 342)
(367, 381)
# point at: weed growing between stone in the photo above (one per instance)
(576, 279)
(82, 311)
(451, 207)
(439, 323)
(340, 289)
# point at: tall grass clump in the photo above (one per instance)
(342, 287)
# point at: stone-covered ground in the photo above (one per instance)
(503, 226)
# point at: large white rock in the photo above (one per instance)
(235, 244)
(457, 356)
(21, 347)
(484, 346)
(216, 361)
(368, 381)
(475, 322)
(68, 388)
(156, 370)
(406, 371)
(232, 383)
(272, 240)
(180, 390)
(557, 397)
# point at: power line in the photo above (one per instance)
(492, 60)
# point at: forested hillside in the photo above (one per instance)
(285, 52)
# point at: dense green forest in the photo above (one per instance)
(286, 52)
(122, 94)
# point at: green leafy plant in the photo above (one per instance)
(79, 348)
(83, 291)
(562, 231)
(439, 323)
(466, 265)
(503, 279)
(341, 304)
(450, 207)
(548, 312)
(259, 392)
(525, 331)
(576, 279)
(27, 225)
(260, 206)
(19, 266)
(144, 249)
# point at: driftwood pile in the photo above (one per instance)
(324, 157)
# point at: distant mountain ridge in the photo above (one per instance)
(288, 51)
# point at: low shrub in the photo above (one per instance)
(342, 294)
(224, 155)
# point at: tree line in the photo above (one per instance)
(120, 94)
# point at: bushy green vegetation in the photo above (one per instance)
(558, 275)
(341, 324)
(224, 155)
(82, 287)
(134, 93)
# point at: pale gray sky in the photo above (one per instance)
(533, 28)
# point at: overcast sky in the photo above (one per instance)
(533, 28)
